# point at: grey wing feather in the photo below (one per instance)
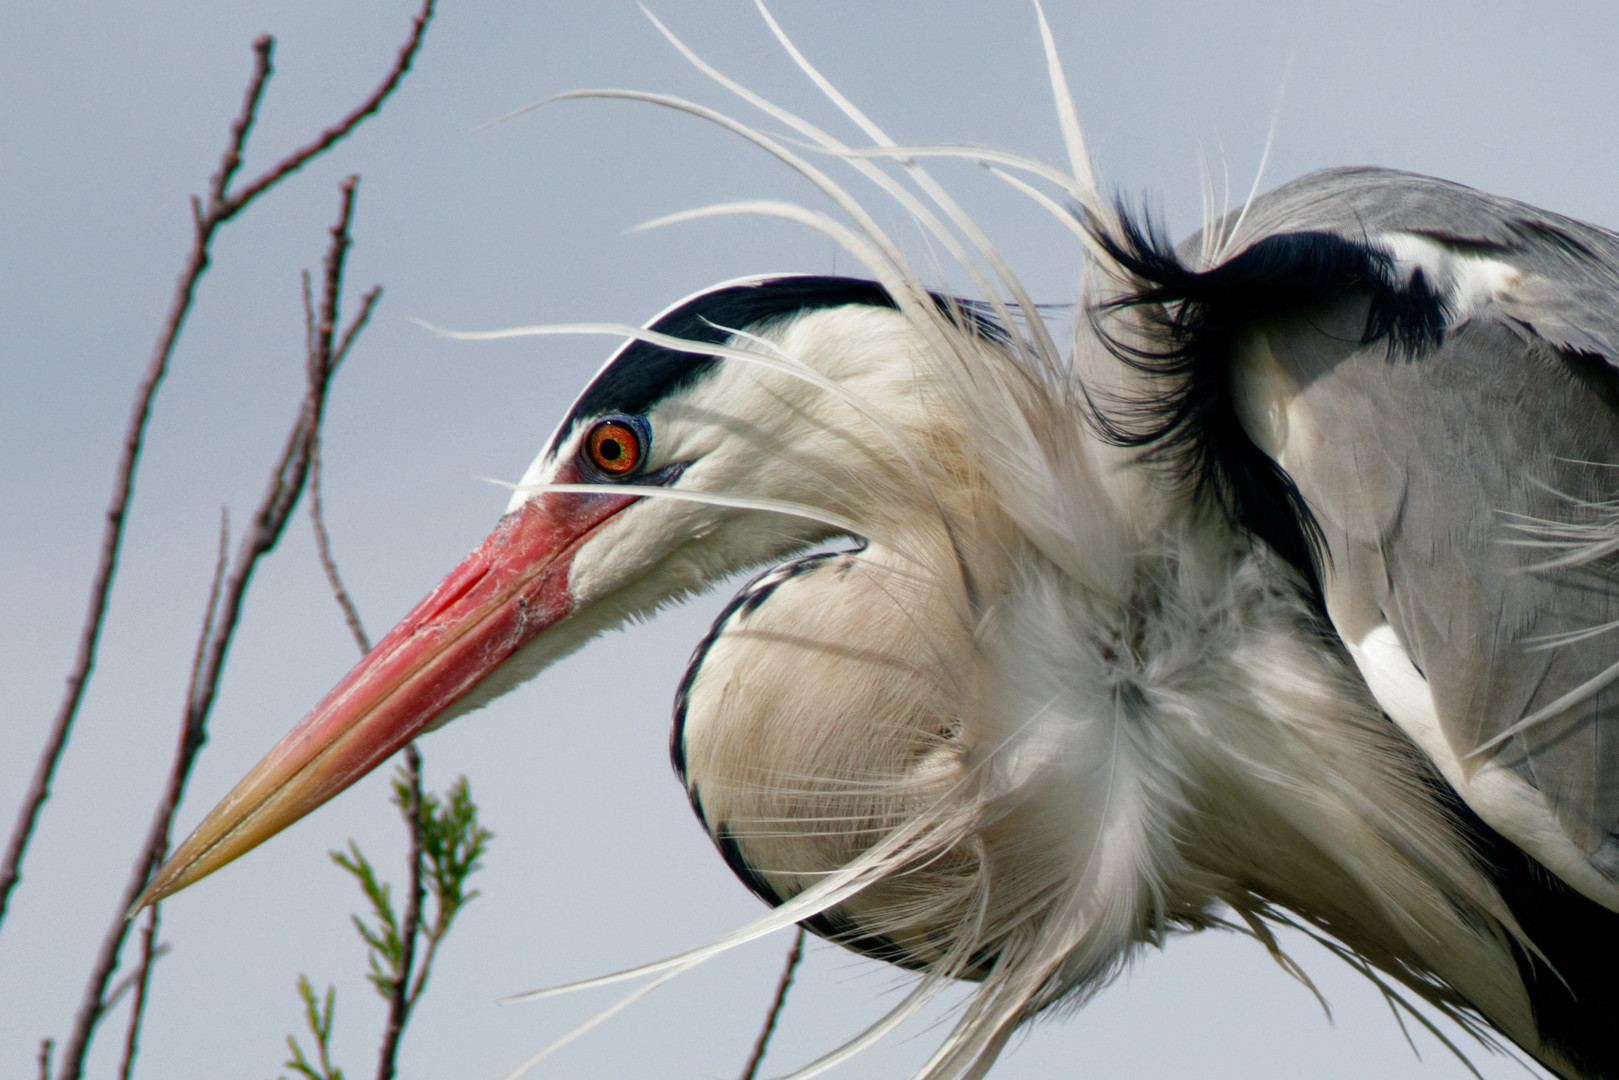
(1469, 497)
(1570, 291)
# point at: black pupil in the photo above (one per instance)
(610, 449)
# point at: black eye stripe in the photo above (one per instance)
(642, 374)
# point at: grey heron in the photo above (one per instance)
(1283, 592)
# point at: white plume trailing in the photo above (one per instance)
(983, 798)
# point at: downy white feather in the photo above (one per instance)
(898, 744)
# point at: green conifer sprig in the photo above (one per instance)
(448, 845)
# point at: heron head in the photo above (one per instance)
(752, 421)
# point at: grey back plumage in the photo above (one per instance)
(1466, 493)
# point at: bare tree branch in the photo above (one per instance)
(400, 996)
(221, 564)
(142, 977)
(123, 485)
(296, 160)
(794, 955)
(281, 494)
(127, 983)
(231, 160)
(367, 303)
(220, 208)
(400, 1000)
(309, 318)
(317, 519)
(45, 1046)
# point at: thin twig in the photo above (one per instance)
(323, 546)
(367, 302)
(434, 936)
(143, 978)
(127, 983)
(124, 483)
(309, 316)
(400, 999)
(45, 1046)
(221, 207)
(221, 564)
(142, 975)
(425, 967)
(332, 135)
(107, 1000)
(321, 354)
(269, 519)
(231, 160)
(453, 850)
(445, 909)
(317, 513)
(794, 955)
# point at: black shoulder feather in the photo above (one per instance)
(1193, 321)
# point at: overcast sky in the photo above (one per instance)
(111, 115)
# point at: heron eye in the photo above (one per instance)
(614, 447)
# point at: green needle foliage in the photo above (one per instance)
(386, 945)
(447, 848)
(319, 1020)
(452, 847)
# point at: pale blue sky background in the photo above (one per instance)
(112, 114)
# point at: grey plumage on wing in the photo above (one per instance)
(1467, 493)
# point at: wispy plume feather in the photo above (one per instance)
(1002, 787)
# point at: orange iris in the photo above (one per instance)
(614, 447)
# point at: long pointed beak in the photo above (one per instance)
(502, 596)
